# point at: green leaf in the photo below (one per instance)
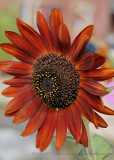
(102, 148)
(110, 89)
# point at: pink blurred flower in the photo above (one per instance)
(110, 97)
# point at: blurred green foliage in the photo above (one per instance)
(8, 23)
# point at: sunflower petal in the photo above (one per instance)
(93, 87)
(36, 121)
(19, 54)
(78, 46)
(84, 138)
(61, 129)
(17, 81)
(96, 103)
(98, 61)
(56, 20)
(15, 68)
(46, 132)
(77, 122)
(100, 121)
(70, 121)
(74, 58)
(27, 111)
(11, 114)
(44, 32)
(20, 100)
(31, 35)
(100, 74)
(11, 91)
(64, 39)
(86, 62)
(85, 109)
(21, 43)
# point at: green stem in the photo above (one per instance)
(89, 152)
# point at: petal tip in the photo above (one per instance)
(23, 134)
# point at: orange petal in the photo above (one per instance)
(11, 114)
(96, 103)
(86, 62)
(36, 121)
(56, 20)
(20, 100)
(70, 121)
(84, 138)
(77, 122)
(78, 46)
(19, 54)
(22, 44)
(31, 35)
(100, 74)
(15, 68)
(61, 129)
(79, 50)
(25, 76)
(46, 132)
(98, 61)
(85, 109)
(17, 81)
(11, 91)
(100, 121)
(64, 39)
(27, 111)
(103, 109)
(93, 87)
(44, 32)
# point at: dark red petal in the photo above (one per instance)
(36, 121)
(96, 103)
(17, 81)
(86, 62)
(61, 129)
(46, 132)
(78, 50)
(19, 54)
(84, 138)
(31, 35)
(100, 74)
(77, 122)
(103, 109)
(70, 121)
(78, 46)
(11, 91)
(56, 20)
(27, 111)
(44, 32)
(85, 109)
(20, 100)
(64, 39)
(11, 114)
(21, 43)
(93, 87)
(98, 61)
(25, 76)
(100, 121)
(15, 68)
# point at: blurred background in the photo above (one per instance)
(77, 15)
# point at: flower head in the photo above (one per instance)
(55, 83)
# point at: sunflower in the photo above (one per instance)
(54, 83)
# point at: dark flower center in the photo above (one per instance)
(55, 80)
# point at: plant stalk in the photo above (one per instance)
(89, 152)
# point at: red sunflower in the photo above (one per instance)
(54, 84)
